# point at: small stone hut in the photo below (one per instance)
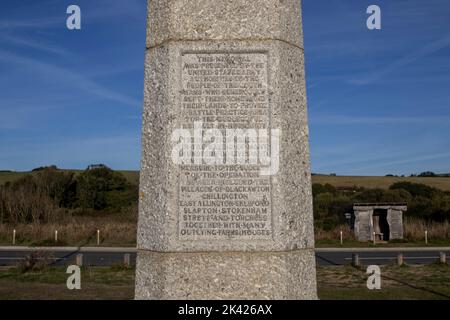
(384, 220)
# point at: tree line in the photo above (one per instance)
(424, 202)
(49, 194)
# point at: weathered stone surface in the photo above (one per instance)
(363, 225)
(291, 214)
(178, 20)
(395, 220)
(232, 275)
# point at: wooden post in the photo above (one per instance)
(355, 260)
(342, 239)
(56, 235)
(374, 240)
(79, 259)
(126, 259)
(14, 237)
(98, 237)
(426, 236)
(442, 257)
(400, 259)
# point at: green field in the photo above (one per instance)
(345, 282)
(442, 183)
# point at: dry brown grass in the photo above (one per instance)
(334, 234)
(80, 231)
(415, 230)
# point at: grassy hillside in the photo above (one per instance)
(442, 183)
(10, 176)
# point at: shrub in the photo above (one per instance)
(415, 189)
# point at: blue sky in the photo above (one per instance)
(379, 101)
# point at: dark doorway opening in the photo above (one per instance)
(380, 224)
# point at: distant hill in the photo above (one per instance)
(442, 181)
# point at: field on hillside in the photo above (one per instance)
(6, 176)
(442, 183)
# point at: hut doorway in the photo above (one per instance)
(380, 224)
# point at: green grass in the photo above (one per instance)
(117, 282)
(49, 284)
(10, 176)
(430, 282)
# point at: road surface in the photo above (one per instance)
(98, 256)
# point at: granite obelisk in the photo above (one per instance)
(225, 207)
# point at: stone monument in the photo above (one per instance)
(225, 206)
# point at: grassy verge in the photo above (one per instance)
(50, 284)
(418, 282)
(430, 282)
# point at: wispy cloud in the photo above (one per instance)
(71, 77)
(424, 51)
(33, 44)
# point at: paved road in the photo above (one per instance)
(324, 256)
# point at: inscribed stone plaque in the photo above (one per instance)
(224, 200)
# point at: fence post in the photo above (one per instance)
(400, 259)
(126, 259)
(426, 236)
(355, 260)
(14, 237)
(79, 259)
(98, 237)
(342, 239)
(442, 257)
(374, 240)
(56, 235)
